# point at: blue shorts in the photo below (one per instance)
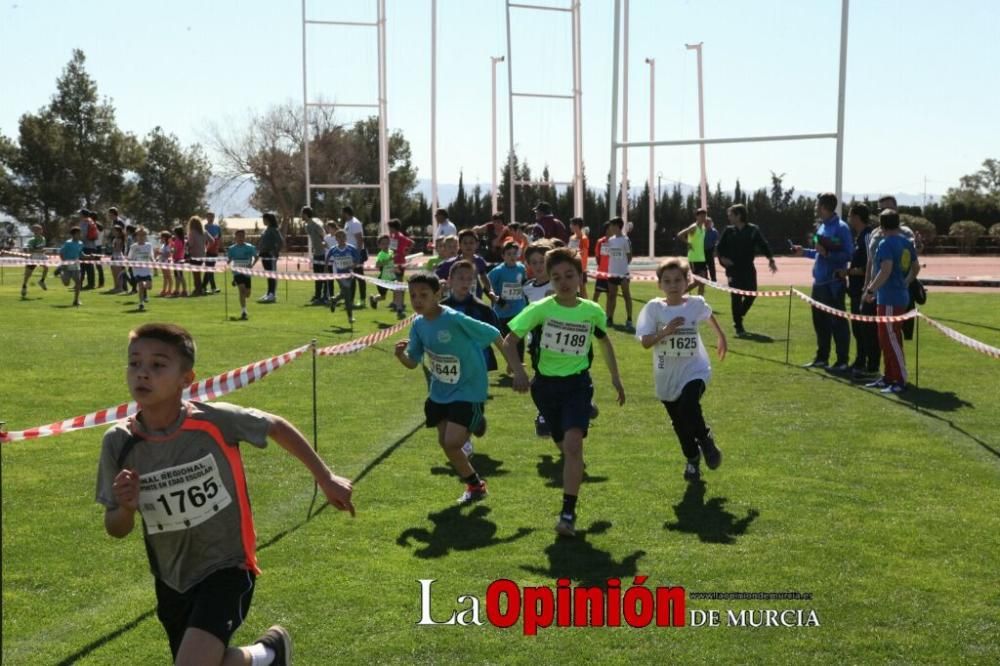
(564, 402)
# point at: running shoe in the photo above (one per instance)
(566, 526)
(473, 493)
(277, 639)
(713, 456)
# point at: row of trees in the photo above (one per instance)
(71, 154)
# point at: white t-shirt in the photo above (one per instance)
(330, 241)
(617, 248)
(536, 292)
(679, 358)
(141, 252)
(446, 228)
(354, 229)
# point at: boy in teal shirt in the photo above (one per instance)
(70, 253)
(563, 327)
(242, 255)
(453, 344)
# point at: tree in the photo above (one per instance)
(978, 195)
(171, 180)
(458, 211)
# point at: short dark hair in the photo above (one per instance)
(74, 230)
(113, 210)
(578, 221)
(828, 200)
(563, 255)
(348, 210)
(461, 265)
(425, 278)
(888, 219)
(383, 237)
(176, 336)
(465, 233)
(617, 221)
(861, 210)
(395, 225)
(739, 210)
(307, 211)
(514, 226)
(543, 207)
(270, 219)
(497, 216)
(510, 245)
(889, 197)
(537, 247)
(672, 264)
(441, 211)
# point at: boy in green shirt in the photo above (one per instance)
(562, 327)
(386, 271)
(36, 248)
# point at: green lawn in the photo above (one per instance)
(886, 514)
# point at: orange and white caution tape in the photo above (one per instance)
(366, 341)
(854, 317)
(743, 292)
(638, 277)
(208, 389)
(962, 339)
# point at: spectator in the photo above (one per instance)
(356, 237)
(738, 244)
(694, 236)
(711, 242)
(196, 253)
(90, 234)
(496, 232)
(445, 227)
(551, 226)
(269, 247)
(317, 250)
(888, 202)
(832, 252)
(866, 348)
(213, 244)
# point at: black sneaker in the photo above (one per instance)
(839, 368)
(243, 317)
(277, 639)
(566, 526)
(594, 411)
(473, 493)
(480, 428)
(713, 456)
(821, 365)
(24, 292)
(542, 428)
(741, 332)
(41, 283)
(372, 302)
(691, 472)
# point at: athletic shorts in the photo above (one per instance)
(241, 279)
(148, 279)
(617, 281)
(699, 268)
(466, 414)
(400, 272)
(600, 284)
(217, 605)
(564, 402)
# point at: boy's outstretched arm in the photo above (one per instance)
(612, 363)
(336, 488)
(403, 356)
(721, 345)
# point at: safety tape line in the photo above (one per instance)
(962, 339)
(366, 341)
(742, 292)
(854, 317)
(207, 389)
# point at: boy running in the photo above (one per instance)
(619, 251)
(680, 363)
(178, 464)
(242, 254)
(142, 250)
(36, 248)
(386, 270)
(601, 252)
(468, 243)
(453, 343)
(70, 254)
(399, 245)
(564, 326)
(343, 258)
(507, 280)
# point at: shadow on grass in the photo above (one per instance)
(968, 323)
(485, 466)
(551, 469)
(758, 337)
(578, 560)
(455, 531)
(709, 520)
(129, 626)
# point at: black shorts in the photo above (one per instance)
(617, 281)
(699, 268)
(600, 284)
(564, 402)
(241, 279)
(400, 272)
(466, 414)
(148, 279)
(217, 605)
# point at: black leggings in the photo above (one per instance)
(270, 264)
(686, 417)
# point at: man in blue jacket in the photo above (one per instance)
(833, 247)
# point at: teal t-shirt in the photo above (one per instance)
(71, 250)
(241, 254)
(453, 343)
(508, 284)
(566, 334)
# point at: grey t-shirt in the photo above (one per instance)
(316, 245)
(196, 244)
(193, 496)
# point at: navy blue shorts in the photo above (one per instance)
(564, 402)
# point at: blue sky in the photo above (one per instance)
(922, 80)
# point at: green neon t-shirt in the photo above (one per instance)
(696, 244)
(566, 333)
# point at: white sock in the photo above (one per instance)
(244, 310)
(260, 655)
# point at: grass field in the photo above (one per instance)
(886, 514)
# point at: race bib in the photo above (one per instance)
(241, 263)
(182, 497)
(445, 368)
(682, 344)
(342, 262)
(393, 244)
(511, 291)
(616, 252)
(565, 337)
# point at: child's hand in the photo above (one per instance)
(617, 383)
(722, 347)
(673, 325)
(521, 381)
(401, 348)
(126, 489)
(338, 492)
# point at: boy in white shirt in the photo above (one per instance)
(680, 363)
(142, 250)
(619, 251)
